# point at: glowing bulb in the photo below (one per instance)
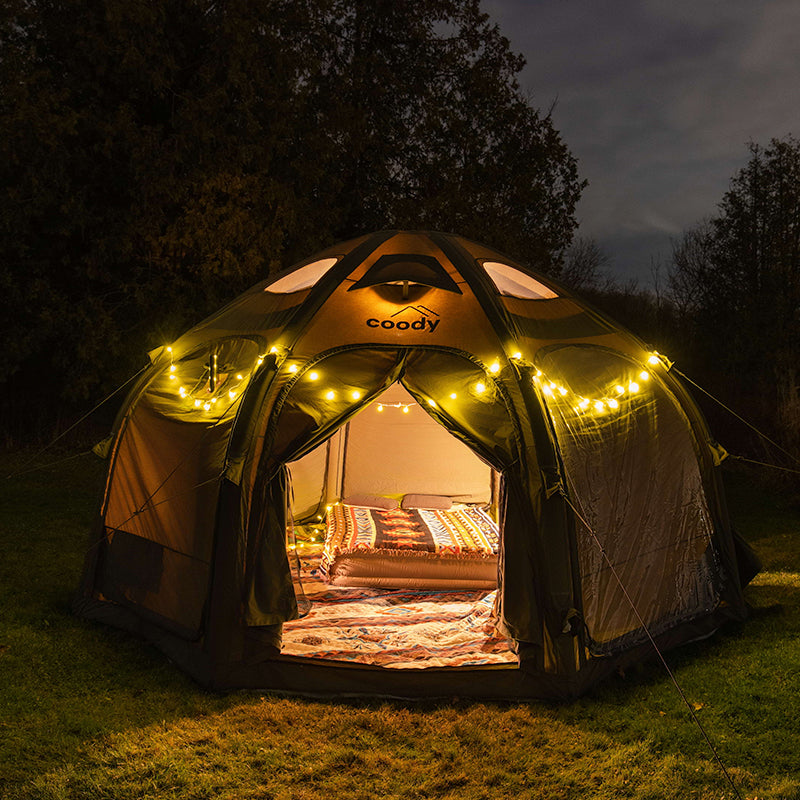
(292, 367)
(169, 349)
(356, 395)
(633, 387)
(182, 391)
(330, 395)
(517, 356)
(312, 376)
(619, 389)
(380, 407)
(654, 359)
(600, 407)
(548, 391)
(239, 377)
(538, 373)
(562, 391)
(584, 404)
(613, 403)
(645, 376)
(173, 377)
(453, 395)
(231, 394)
(494, 368)
(172, 368)
(480, 387)
(405, 409)
(198, 403)
(431, 403)
(207, 406)
(273, 349)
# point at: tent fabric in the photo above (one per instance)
(517, 392)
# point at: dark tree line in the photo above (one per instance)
(156, 158)
(736, 290)
(729, 313)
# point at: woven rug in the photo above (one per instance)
(394, 628)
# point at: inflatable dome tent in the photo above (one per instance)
(594, 462)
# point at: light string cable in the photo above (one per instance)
(22, 470)
(646, 629)
(746, 422)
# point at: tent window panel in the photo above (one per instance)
(168, 494)
(516, 283)
(631, 465)
(302, 278)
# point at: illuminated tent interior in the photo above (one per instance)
(414, 423)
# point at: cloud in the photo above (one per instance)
(657, 99)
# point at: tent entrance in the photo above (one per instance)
(390, 449)
(393, 605)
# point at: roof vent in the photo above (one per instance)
(405, 270)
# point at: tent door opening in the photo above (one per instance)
(399, 547)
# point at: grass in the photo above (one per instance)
(90, 712)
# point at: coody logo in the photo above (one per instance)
(423, 322)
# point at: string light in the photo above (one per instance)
(355, 394)
(330, 395)
(312, 376)
(599, 405)
(480, 387)
(404, 407)
(453, 395)
(494, 368)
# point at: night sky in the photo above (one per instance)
(657, 99)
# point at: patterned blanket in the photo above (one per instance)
(467, 531)
(399, 629)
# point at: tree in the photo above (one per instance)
(158, 158)
(737, 279)
(585, 265)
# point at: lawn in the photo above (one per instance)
(90, 712)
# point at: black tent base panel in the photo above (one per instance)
(322, 679)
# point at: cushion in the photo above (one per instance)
(426, 501)
(371, 501)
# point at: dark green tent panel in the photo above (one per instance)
(601, 471)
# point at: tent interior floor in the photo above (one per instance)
(395, 628)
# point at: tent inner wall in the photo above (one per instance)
(390, 448)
